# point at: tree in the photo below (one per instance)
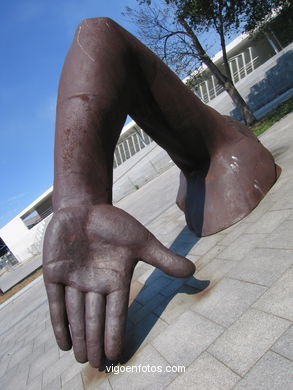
(175, 27)
(258, 14)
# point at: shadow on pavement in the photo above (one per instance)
(158, 291)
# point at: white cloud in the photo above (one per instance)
(47, 109)
(17, 197)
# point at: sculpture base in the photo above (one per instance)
(237, 178)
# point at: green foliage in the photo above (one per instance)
(272, 117)
(159, 29)
(173, 28)
(195, 79)
(257, 13)
(227, 14)
(203, 15)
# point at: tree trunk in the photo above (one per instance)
(220, 30)
(223, 80)
(240, 103)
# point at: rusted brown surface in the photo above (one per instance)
(92, 247)
(238, 176)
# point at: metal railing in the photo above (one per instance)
(30, 223)
(126, 148)
(244, 70)
(130, 145)
(8, 260)
(214, 91)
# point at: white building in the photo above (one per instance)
(244, 56)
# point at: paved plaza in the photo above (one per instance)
(230, 325)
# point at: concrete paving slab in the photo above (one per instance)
(74, 384)
(173, 310)
(241, 246)
(242, 289)
(161, 190)
(202, 261)
(278, 299)
(55, 384)
(263, 207)
(184, 340)
(56, 368)
(269, 222)
(15, 378)
(271, 372)
(151, 360)
(215, 270)
(280, 238)
(284, 346)
(263, 266)
(234, 233)
(285, 202)
(20, 355)
(4, 365)
(36, 384)
(43, 362)
(245, 342)
(204, 373)
(227, 301)
(142, 333)
(205, 244)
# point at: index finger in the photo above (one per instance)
(56, 298)
(116, 315)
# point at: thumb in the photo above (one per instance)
(156, 254)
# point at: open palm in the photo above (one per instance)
(89, 257)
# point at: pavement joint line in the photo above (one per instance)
(224, 364)
(106, 380)
(290, 208)
(252, 367)
(211, 320)
(247, 281)
(206, 349)
(20, 292)
(151, 343)
(152, 312)
(158, 215)
(268, 247)
(271, 314)
(37, 314)
(218, 258)
(214, 322)
(278, 353)
(23, 318)
(276, 249)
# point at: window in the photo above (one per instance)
(40, 211)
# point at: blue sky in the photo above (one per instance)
(35, 36)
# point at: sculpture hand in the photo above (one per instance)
(89, 257)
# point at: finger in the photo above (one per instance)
(116, 315)
(95, 325)
(75, 312)
(156, 254)
(58, 315)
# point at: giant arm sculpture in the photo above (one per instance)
(92, 247)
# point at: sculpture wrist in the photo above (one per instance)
(75, 194)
